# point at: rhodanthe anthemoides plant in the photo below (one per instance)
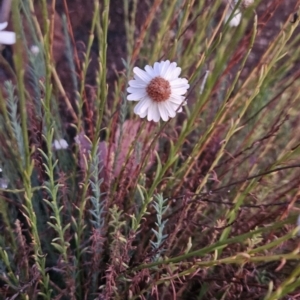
(97, 203)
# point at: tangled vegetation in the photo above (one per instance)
(97, 203)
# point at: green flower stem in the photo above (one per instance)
(102, 85)
(130, 25)
(86, 63)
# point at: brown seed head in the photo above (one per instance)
(159, 89)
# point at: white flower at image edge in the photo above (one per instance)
(34, 50)
(236, 18)
(60, 144)
(6, 37)
(159, 91)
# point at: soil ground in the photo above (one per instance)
(271, 16)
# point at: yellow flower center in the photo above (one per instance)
(159, 89)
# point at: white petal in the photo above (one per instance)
(143, 114)
(170, 70)
(174, 105)
(177, 99)
(164, 65)
(153, 113)
(156, 68)
(163, 111)
(150, 71)
(7, 37)
(131, 97)
(170, 109)
(139, 80)
(179, 91)
(133, 90)
(3, 25)
(142, 106)
(137, 95)
(177, 108)
(142, 75)
(179, 82)
(175, 73)
(137, 83)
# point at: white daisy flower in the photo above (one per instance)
(60, 144)
(6, 37)
(236, 19)
(159, 91)
(3, 183)
(34, 50)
